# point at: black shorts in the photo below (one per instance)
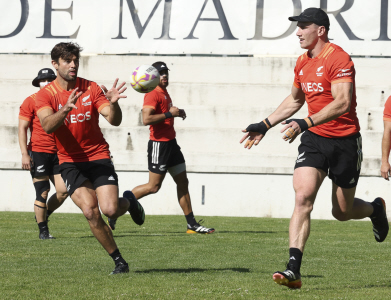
(43, 164)
(340, 158)
(163, 155)
(98, 172)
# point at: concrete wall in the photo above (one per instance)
(221, 96)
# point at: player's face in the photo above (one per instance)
(67, 68)
(308, 34)
(163, 79)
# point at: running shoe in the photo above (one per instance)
(111, 223)
(197, 228)
(379, 220)
(45, 235)
(120, 268)
(288, 278)
(135, 209)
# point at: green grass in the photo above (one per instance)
(341, 260)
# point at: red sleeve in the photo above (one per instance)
(296, 81)
(26, 110)
(151, 100)
(341, 68)
(99, 99)
(387, 110)
(43, 100)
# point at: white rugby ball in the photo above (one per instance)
(144, 79)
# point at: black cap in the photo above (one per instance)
(160, 66)
(314, 15)
(44, 74)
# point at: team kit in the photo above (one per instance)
(67, 146)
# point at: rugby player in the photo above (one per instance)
(40, 157)
(331, 141)
(385, 168)
(70, 107)
(164, 154)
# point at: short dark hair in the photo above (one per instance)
(65, 51)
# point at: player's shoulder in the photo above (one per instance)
(388, 102)
(335, 52)
(152, 95)
(302, 58)
(86, 84)
(31, 98)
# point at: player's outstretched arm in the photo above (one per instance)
(113, 113)
(385, 168)
(51, 121)
(291, 104)
(22, 135)
(150, 118)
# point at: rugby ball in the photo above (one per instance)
(144, 79)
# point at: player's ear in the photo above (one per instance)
(55, 64)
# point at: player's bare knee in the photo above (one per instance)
(153, 189)
(110, 211)
(61, 196)
(340, 215)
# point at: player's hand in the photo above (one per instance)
(182, 114)
(114, 94)
(253, 138)
(26, 162)
(385, 170)
(72, 100)
(292, 130)
(175, 111)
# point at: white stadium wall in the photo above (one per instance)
(221, 96)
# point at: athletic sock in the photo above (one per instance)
(43, 226)
(295, 256)
(132, 202)
(190, 219)
(117, 257)
(48, 213)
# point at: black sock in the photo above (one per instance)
(132, 202)
(48, 213)
(376, 209)
(295, 256)
(43, 226)
(190, 219)
(117, 257)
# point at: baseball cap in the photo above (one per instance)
(44, 74)
(314, 15)
(160, 66)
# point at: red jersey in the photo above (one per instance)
(161, 102)
(387, 110)
(40, 141)
(79, 139)
(314, 76)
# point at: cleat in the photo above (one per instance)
(45, 235)
(120, 268)
(288, 278)
(135, 209)
(199, 229)
(111, 223)
(379, 221)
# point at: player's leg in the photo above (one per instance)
(85, 198)
(179, 175)
(151, 187)
(58, 198)
(306, 183)
(42, 188)
(347, 207)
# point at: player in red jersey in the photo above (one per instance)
(70, 107)
(40, 157)
(331, 142)
(386, 141)
(164, 154)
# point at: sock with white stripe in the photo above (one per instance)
(295, 256)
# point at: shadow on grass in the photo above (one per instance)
(312, 276)
(193, 270)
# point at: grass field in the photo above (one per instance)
(341, 261)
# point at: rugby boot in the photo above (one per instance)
(120, 268)
(135, 210)
(45, 235)
(379, 220)
(288, 278)
(197, 228)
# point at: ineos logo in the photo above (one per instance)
(312, 87)
(78, 118)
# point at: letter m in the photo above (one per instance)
(136, 20)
